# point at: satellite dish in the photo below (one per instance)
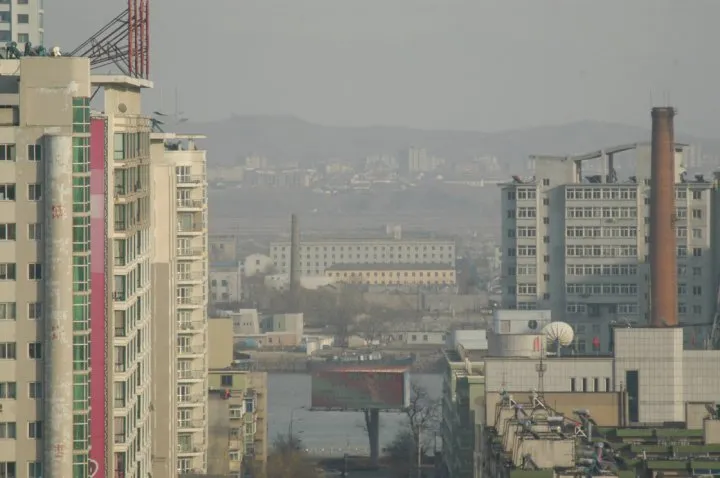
(532, 324)
(559, 333)
(122, 108)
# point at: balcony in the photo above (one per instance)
(190, 277)
(126, 193)
(189, 302)
(190, 204)
(190, 180)
(120, 438)
(191, 375)
(191, 400)
(194, 325)
(189, 450)
(193, 252)
(192, 424)
(191, 351)
(195, 227)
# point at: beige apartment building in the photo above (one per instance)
(237, 408)
(75, 318)
(180, 274)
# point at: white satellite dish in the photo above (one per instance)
(559, 333)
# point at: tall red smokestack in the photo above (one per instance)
(663, 252)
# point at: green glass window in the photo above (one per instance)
(80, 353)
(81, 155)
(80, 392)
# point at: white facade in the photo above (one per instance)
(22, 22)
(191, 299)
(317, 256)
(578, 246)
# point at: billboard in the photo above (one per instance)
(359, 388)
(98, 294)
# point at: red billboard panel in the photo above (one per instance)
(360, 388)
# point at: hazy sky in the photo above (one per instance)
(474, 64)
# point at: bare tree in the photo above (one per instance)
(288, 459)
(370, 327)
(423, 420)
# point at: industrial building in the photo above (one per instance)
(393, 274)
(317, 256)
(650, 406)
(22, 22)
(579, 245)
(180, 288)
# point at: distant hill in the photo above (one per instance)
(287, 139)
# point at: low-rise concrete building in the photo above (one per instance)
(225, 282)
(237, 403)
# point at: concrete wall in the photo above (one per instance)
(164, 314)
(220, 342)
(219, 438)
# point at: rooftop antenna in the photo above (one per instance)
(540, 368)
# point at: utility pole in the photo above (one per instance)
(419, 451)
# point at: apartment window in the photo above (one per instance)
(8, 390)
(23, 38)
(7, 271)
(35, 469)
(7, 232)
(35, 310)
(35, 231)
(7, 311)
(34, 271)
(35, 430)
(7, 192)
(34, 152)
(697, 252)
(697, 233)
(8, 430)
(226, 380)
(23, 18)
(546, 182)
(584, 385)
(607, 384)
(34, 192)
(8, 350)
(697, 195)
(596, 385)
(234, 456)
(697, 214)
(697, 290)
(573, 385)
(697, 271)
(35, 350)
(236, 411)
(35, 390)
(7, 152)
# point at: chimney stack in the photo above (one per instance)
(663, 251)
(294, 256)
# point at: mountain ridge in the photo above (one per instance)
(288, 139)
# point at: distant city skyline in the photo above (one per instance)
(486, 66)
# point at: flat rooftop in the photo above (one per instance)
(120, 80)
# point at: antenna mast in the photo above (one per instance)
(540, 368)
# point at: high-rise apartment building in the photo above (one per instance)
(44, 267)
(124, 169)
(578, 244)
(21, 21)
(180, 282)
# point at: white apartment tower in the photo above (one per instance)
(577, 244)
(21, 21)
(180, 276)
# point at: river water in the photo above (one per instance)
(329, 433)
